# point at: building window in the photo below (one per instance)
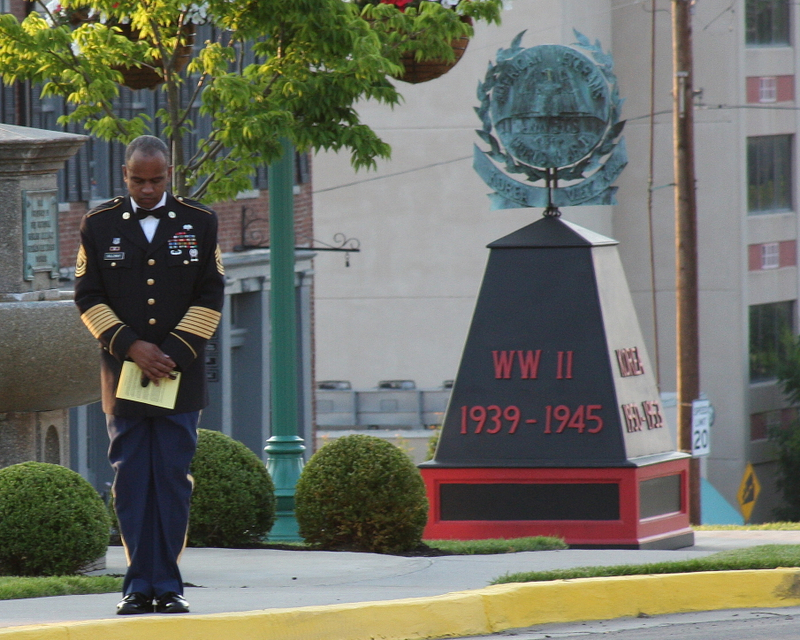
(767, 22)
(768, 89)
(769, 174)
(770, 325)
(761, 424)
(770, 255)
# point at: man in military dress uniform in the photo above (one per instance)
(149, 286)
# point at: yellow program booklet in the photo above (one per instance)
(130, 387)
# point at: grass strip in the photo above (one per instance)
(13, 587)
(768, 556)
(496, 545)
(766, 526)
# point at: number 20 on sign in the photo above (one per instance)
(701, 423)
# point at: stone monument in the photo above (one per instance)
(48, 361)
(555, 425)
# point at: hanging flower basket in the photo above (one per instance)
(143, 77)
(147, 77)
(422, 71)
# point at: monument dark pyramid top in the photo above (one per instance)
(551, 232)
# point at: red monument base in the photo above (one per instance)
(637, 507)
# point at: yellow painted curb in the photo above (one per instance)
(521, 605)
(465, 613)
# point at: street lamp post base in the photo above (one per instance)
(285, 463)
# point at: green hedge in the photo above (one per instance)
(52, 521)
(362, 493)
(233, 502)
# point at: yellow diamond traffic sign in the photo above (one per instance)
(748, 491)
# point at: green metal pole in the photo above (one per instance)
(285, 448)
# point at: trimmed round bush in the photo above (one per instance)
(52, 521)
(361, 493)
(233, 502)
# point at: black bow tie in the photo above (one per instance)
(157, 213)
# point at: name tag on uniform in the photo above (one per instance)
(114, 255)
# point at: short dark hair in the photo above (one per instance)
(147, 145)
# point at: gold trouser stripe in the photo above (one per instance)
(186, 534)
(200, 321)
(184, 342)
(80, 263)
(99, 319)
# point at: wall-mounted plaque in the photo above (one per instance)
(40, 226)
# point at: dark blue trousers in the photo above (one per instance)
(152, 489)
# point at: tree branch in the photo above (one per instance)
(211, 152)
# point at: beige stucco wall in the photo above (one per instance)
(403, 307)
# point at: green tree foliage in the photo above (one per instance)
(52, 521)
(314, 60)
(786, 438)
(233, 502)
(362, 493)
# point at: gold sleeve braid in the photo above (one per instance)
(200, 321)
(99, 319)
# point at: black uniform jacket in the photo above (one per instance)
(168, 292)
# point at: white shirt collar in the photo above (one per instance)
(161, 202)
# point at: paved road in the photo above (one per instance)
(231, 580)
(738, 624)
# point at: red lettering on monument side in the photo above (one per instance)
(529, 363)
(652, 413)
(629, 362)
(503, 362)
(479, 419)
(633, 419)
(564, 371)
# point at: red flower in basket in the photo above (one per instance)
(400, 4)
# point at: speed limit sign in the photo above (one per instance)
(702, 413)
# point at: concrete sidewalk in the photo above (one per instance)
(225, 581)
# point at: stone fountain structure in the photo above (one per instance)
(48, 361)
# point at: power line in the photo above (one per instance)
(392, 175)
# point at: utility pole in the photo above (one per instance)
(688, 368)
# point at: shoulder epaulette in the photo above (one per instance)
(111, 204)
(194, 204)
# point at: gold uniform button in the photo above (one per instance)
(185, 262)
(150, 281)
(151, 301)
(152, 320)
(113, 264)
(151, 262)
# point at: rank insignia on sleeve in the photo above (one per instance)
(80, 265)
(218, 258)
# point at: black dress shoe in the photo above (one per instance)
(171, 603)
(135, 603)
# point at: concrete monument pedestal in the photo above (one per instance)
(48, 361)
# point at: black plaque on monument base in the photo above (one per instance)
(555, 425)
